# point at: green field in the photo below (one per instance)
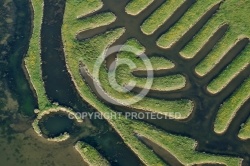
(245, 131)
(87, 51)
(33, 57)
(230, 107)
(186, 22)
(90, 155)
(33, 66)
(195, 45)
(157, 64)
(238, 25)
(217, 54)
(231, 71)
(191, 156)
(136, 6)
(96, 21)
(92, 49)
(166, 83)
(161, 15)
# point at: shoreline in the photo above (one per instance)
(62, 137)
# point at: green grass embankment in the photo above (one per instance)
(238, 22)
(161, 15)
(33, 65)
(231, 71)
(189, 19)
(158, 63)
(230, 107)
(94, 21)
(86, 52)
(176, 145)
(90, 155)
(166, 83)
(217, 54)
(199, 40)
(238, 28)
(244, 133)
(134, 7)
(33, 57)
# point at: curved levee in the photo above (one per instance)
(90, 155)
(230, 107)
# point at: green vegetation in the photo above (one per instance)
(191, 156)
(134, 7)
(203, 36)
(186, 22)
(33, 59)
(54, 109)
(239, 64)
(238, 22)
(245, 131)
(238, 25)
(229, 108)
(158, 63)
(96, 21)
(135, 45)
(185, 107)
(160, 16)
(33, 66)
(90, 155)
(86, 51)
(214, 58)
(166, 83)
(60, 138)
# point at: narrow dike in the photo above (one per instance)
(59, 86)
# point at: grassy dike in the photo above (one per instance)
(189, 19)
(162, 14)
(90, 155)
(158, 63)
(97, 20)
(228, 42)
(203, 37)
(231, 71)
(33, 57)
(166, 83)
(33, 67)
(191, 156)
(238, 28)
(244, 133)
(230, 107)
(86, 51)
(134, 7)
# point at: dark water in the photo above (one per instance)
(15, 76)
(56, 124)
